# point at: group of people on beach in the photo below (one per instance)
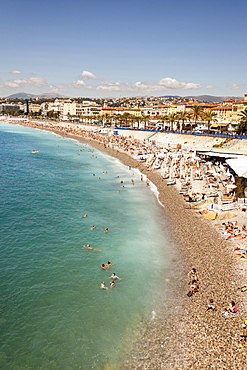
(231, 309)
(194, 287)
(232, 231)
(193, 282)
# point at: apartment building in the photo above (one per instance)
(116, 110)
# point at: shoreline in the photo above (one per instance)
(182, 335)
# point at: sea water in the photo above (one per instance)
(53, 313)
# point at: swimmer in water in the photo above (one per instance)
(84, 216)
(108, 264)
(93, 227)
(112, 284)
(89, 247)
(104, 267)
(102, 285)
(106, 230)
(114, 277)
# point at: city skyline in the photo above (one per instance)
(134, 48)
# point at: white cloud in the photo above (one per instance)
(171, 84)
(235, 86)
(209, 86)
(35, 81)
(89, 75)
(163, 84)
(109, 86)
(81, 83)
(56, 89)
(142, 86)
(108, 83)
(136, 87)
(15, 72)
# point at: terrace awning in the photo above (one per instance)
(239, 165)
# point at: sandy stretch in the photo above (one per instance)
(182, 335)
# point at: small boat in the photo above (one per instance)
(35, 151)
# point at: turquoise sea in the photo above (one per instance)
(53, 313)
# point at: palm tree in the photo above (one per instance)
(137, 120)
(172, 117)
(209, 116)
(118, 119)
(183, 116)
(126, 117)
(242, 126)
(163, 120)
(144, 119)
(197, 111)
(132, 119)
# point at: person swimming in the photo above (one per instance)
(88, 246)
(93, 227)
(108, 264)
(84, 216)
(106, 230)
(114, 276)
(104, 267)
(102, 285)
(112, 284)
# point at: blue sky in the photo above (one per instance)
(129, 48)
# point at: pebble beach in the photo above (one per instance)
(181, 334)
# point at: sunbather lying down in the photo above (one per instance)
(241, 246)
(243, 288)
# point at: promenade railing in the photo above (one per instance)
(232, 136)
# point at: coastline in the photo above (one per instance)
(182, 335)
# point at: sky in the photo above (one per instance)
(101, 49)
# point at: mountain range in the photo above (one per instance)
(205, 98)
(23, 95)
(211, 98)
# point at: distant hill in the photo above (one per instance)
(23, 95)
(20, 95)
(205, 98)
(211, 98)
